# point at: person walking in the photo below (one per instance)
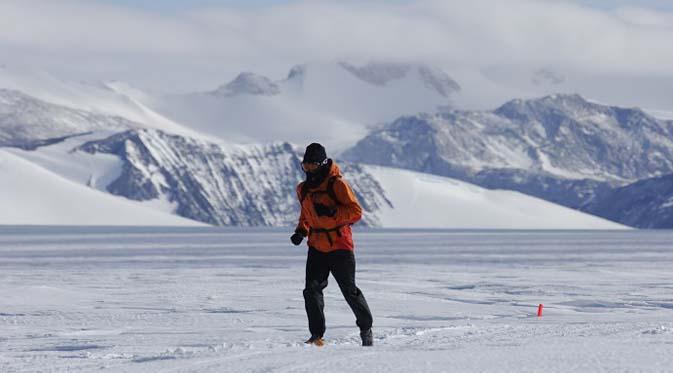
(328, 209)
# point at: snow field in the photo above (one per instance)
(213, 300)
(429, 201)
(30, 194)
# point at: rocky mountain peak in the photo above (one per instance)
(242, 185)
(248, 83)
(297, 72)
(559, 102)
(438, 80)
(378, 74)
(383, 73)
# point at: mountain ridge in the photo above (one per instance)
(566, 140)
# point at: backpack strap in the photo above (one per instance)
(303, 192)
(330, 188)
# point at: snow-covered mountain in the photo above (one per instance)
(381, 74)
(254, 185)
(247, 83)
(562, 148)
(30, 194)
(332, 101)
(208, 182)
(116, 139)
(582, 139)
(28, 122)
(29, 93)
(646, 203)
(421, 200)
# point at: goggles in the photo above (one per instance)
(312, 166)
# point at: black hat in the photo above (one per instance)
(315, 153)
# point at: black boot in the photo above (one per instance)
(367, 337)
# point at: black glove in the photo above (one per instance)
(323, 210)
(296, 238)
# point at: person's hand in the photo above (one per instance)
(323, 210)
(296, 238)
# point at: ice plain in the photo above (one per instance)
(229, 300)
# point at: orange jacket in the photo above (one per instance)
(329, 233)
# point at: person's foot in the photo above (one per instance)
(367, 337)
(316, 341)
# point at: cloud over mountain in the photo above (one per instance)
(196, 47)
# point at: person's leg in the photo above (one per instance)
(342, 265)
(317, 271)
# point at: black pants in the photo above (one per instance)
(342, 265)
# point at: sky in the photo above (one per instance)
(611, 4)
(616, 50)
(171, 6)
(182, 5)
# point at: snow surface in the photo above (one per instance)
(216, 300)
(30, 194)
(93, 170)
(427, 201)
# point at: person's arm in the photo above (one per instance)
(302, 225)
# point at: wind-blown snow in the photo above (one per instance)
(32, 195)
(212, 300)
